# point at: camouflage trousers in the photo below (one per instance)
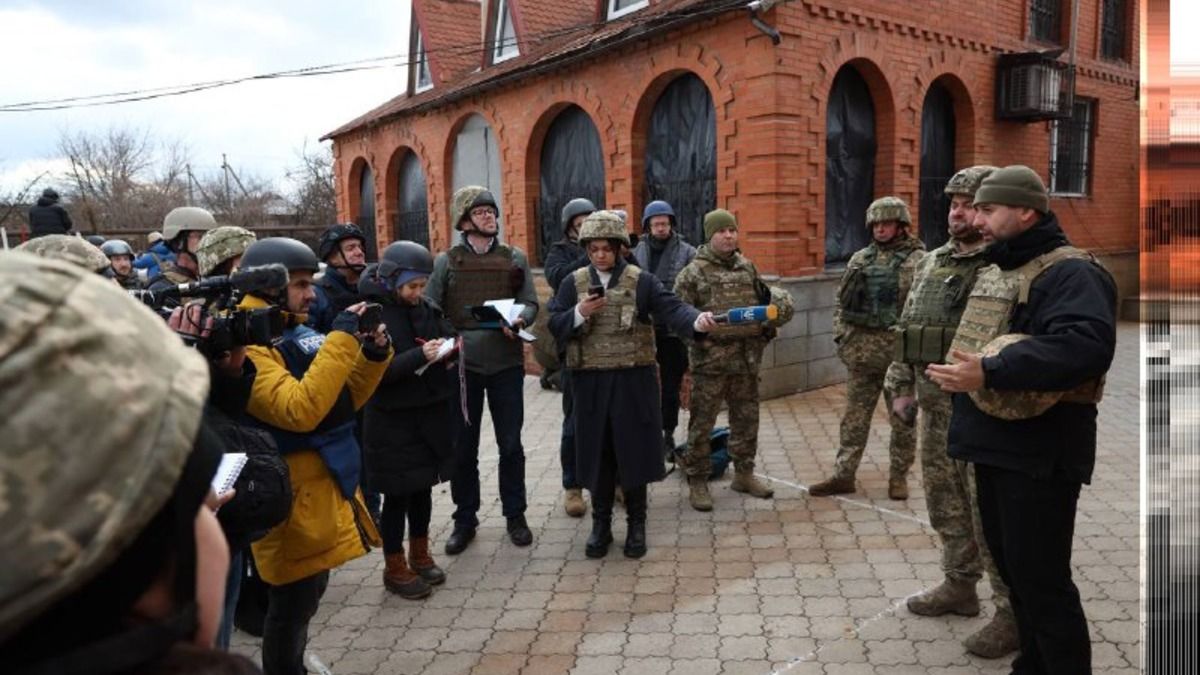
(709, 390)
(863, 385)
(950, 496)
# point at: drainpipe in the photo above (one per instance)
(757, 6)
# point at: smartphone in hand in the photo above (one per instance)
(596, 291)
(371, 317)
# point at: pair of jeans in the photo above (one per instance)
(415, 507)
(566, 446)
(505, 396)
(672, 357)
(1029, 525)
(233, 588)
(285, 631)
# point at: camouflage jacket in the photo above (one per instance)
(694, 285)
(860, 346)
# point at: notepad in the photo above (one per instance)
(448, 346)
(231, 466)
(510, 310)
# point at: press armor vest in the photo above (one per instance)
(728, 287)
(935, 306)
(474, 279)
(988, 315)
(613, 337)
(870, 295)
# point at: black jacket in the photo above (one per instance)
(334, 294)
(565, 257)
(407, 425)
(48, 217)
(1071, 316)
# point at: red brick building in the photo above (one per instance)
(625, 101)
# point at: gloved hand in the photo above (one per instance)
(347, 322)
(373, 350)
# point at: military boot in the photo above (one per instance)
(898, 487)
(746, 481)
(635, 535)
(950, 596)
(832, 486)
(573, 502)
(421, 561)
(998, 638)
(399, 579)
(698, 493)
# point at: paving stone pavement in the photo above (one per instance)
(792, 585)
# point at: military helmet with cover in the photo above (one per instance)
(888, 208)
(74, 250)
(293, 254)
(187, 219)
(967, 180)
(403, 261)
(574, 208)
(115, 247)
(1012, 404)
(223, 243)
(467, 199)
(81, 488)
(603, 225)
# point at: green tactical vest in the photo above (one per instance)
(870, 294)
(935, 306)
(612, 338)
(474, 279)
(988, 315)
(726, 288)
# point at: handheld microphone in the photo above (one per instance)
(755, 314)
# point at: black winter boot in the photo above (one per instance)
(635, 535)
(600, 538)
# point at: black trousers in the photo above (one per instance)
(285, 631)
(415, 507)
(1029, 525)
(672, 357)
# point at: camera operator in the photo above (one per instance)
(306, 392)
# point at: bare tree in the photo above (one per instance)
(314, 200)
(248, 201)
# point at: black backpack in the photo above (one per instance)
(264, 487)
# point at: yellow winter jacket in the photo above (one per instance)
(324, 529)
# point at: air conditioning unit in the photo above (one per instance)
(1034, 86)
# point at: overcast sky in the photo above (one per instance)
(60, 48)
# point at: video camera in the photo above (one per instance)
(231, 327)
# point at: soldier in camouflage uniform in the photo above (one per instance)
(725, 365)
(67, 248)
(105, 468)
(943, 280)
(221, 249)
(872, 292)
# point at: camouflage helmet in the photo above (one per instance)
(80, 488)
(785, 303)
(187, 218)
(603, 225)
(467, 198)
(67, 248)
(967, 181)
(221, 244)
(1012, 405)
(888, 208)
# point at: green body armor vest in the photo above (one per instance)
(870, 295)
(474, 279)
(612, 338)
(935, 306)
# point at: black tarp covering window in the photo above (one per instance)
(681, 154)
(412, 218)
(366, 210)
(572, 166)
(849, 165)
(937, 164)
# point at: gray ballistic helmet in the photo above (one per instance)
(403, 261)
(291, 253)
(576, 207)
(114, 247)
(185, 219)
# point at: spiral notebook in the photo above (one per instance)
(232, 464)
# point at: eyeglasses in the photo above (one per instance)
(481, 211)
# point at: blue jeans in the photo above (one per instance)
(566, 447)
(505, 397)
(233, 588)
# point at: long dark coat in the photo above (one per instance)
(620, 406)
(407, 439)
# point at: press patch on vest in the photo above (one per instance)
(311, 344)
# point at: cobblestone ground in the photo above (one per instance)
(792, 585)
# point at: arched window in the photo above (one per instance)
(412, 216)
(477, 159)
(572, 165)
(681, 154)
(366, 210)
(938, 134)
(849, 164)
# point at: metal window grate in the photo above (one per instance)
(1071, 150)
(1045, 20)
(1113, 30)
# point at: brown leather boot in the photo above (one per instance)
(998, 638)
(950, 596)
(401, 580)
(898, 487)
(832, 486)
(746, 481)
(573, 502)
(421, 561)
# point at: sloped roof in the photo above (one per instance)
(562, 45)
(449, 28)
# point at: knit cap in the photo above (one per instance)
(715, 221)
(1015, 185)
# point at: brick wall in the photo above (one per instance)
(770, 109)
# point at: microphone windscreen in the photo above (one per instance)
(261, 278)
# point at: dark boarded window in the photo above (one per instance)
(412, 218)
(572, 165)
(937, 164)
(681, 154)
(1071, 150)
(849, 165)
(1113, 30)
(1045, 20)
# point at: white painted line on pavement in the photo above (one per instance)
(857, 627)
(860, 504)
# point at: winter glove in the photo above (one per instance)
(347, 322)
(374, 352)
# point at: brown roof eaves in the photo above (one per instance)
(572, 48)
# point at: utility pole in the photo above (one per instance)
(225, 169)
(190, 180)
